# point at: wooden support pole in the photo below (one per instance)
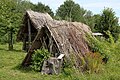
(29, 33)
(50, 44)
(24, 44)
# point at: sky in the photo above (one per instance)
(96, 6)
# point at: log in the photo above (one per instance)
(29, 33)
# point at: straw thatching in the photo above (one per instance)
(59, 37)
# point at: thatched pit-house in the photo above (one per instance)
(59, 37)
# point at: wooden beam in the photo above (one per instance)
(24, 43)
(50, 44)
(29, 33)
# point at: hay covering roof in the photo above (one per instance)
(69, 36)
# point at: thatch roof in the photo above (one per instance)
(37, 19)
(70, 37)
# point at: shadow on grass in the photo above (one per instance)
(22, 69)
(3, 49)
(14, 50)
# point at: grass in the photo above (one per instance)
(10, 67)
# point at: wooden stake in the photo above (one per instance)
(29, 33)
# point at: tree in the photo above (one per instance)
(9, 17)
(96, 19)
(11, 13)
(108, 21)
(24, 5)
(43, 8)
(70, 11)
(89, 19)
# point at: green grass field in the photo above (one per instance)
(10, 68)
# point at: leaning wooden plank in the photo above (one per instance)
(60, 56)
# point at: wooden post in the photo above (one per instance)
(24, 42)
(50, 44)
(29, 33)
(60, 59)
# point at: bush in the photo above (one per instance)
(111, 38)
(94, 62)
(38, 58)
(95, 45)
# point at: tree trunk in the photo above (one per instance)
(10, 38)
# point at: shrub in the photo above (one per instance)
(38, 58)
(94, 62)
(111, 38)
(95, 45)
(90, 63)
(101, 45)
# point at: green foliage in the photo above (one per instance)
(70, 11)
(108, 21)
(24, 5)
(38, 58)
(11, 14)
(94, 61)
(95, 45)
(10, 18)
(107, 48)
(71, 74)
(101, 44)
(43, 8)
(9, 69)
(90, 63)
(96, 18)
(111, 38)
(89, 19)
(4, 39)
